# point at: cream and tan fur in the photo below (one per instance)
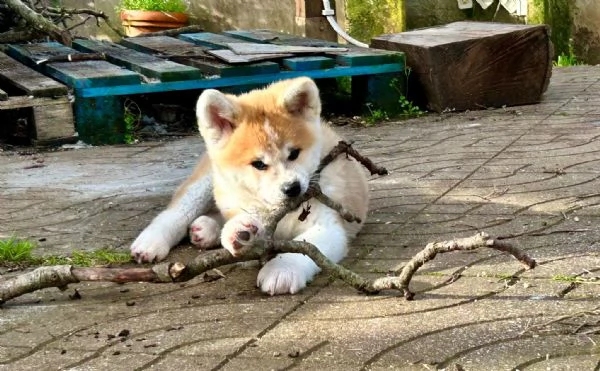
(262, 147)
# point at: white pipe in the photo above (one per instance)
(330, 15)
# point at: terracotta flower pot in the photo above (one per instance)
(136, 22)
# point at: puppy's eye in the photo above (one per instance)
(294, 153)
(259, 165)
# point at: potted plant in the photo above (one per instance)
(141, 16)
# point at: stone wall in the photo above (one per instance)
(586, 30)
(427, 13)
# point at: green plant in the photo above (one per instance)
(344, 85)
(131, 117)
(565, 278)
(14, 250)
(374, 17)
(375, 115)
(567, 59)
(157, 5)
(407, 107)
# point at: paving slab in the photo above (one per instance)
(528, 173)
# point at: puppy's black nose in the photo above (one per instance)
(291, 189)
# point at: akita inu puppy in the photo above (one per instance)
(262, 148)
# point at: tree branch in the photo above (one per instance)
(39, 22)
(45, 19)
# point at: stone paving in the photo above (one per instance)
(530, 173)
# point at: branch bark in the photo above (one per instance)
(45, 20)
(39, 22)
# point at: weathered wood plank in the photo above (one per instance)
(231, 57)
(278, 38)
(146, 64)
(53, 121)
(308, 63)
(353, 57)
(165, 45)
(256, 48)
(190, 54)
(27, 80)
(473, 65)
(75, 74)
(52, 116)
(3, 95)
(26, 102)
(209, 39)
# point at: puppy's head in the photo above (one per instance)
(265, 143)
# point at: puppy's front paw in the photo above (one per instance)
(239, 232)
(151, 245)
(286, 273)
(204, 232)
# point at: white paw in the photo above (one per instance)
(239, 232)
(286, 273)
(204, 232)
(151, 245)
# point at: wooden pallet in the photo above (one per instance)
(143, 65)
(47, 115)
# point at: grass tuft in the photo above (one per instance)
(14, 251)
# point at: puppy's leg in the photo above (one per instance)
(193, 198)
(206, 229)
(289, 273)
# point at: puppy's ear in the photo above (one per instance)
(216, 115)
(301, 98)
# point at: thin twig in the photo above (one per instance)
(77, 57)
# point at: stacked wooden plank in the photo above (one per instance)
(197, 61)
(44, 100)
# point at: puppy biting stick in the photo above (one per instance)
(62, 275)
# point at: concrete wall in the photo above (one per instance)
(218, 15)
(301, 17)
(574, 23)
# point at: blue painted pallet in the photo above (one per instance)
(99, 86)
